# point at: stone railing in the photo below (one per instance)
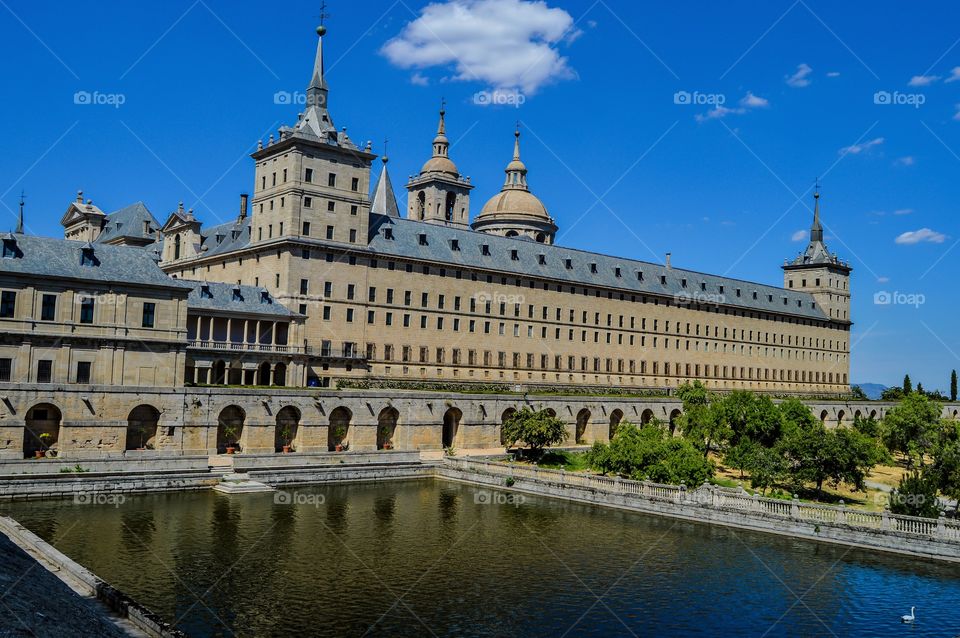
(244, 347)
(723, 499)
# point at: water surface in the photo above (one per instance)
(422, 558)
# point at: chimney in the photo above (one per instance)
(243, 206)
(668, 261)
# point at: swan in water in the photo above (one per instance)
(909, 617)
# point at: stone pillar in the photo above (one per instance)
(229, 330)
(885, 519)
(246, 332)
(942, 526)
(795, 507)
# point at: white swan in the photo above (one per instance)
(909, 617)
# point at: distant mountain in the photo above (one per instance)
(872, 390)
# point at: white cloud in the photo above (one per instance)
(747, 102)
(419, 79)
(833, 74)
(752, 101)
(907, 160)
(903, 211)
(954, 74)
(801, 77)
(923, 80)
(507, 44)
(856, 149)
(799, 235)
(921, 236)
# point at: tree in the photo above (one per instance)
(953, 385)
(650, 452)
(910, 427)
(907, 385)
(892, 394)
(699, 422)
(749, 416)
(858, 394)
(536, 430)
(920, 389)
(817, 455)
(916, 495)
(946, 461)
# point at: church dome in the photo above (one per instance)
(440, 164)
(515, 203)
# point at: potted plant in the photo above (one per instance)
(230, 437)
(286, 436)
(45, 440)
(338, 433)
(385, 432)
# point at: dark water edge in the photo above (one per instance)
(421, 558)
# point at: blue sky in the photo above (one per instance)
(860, 94)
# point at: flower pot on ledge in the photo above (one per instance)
(338, 447)
(286, 449)
(231, 450)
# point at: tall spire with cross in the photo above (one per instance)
(816, 231)
(20, 218)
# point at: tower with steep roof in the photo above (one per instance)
(313, 180)
(384, 200)
(818, 271)
(439, 194)
(515, 211)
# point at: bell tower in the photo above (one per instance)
(439, 194)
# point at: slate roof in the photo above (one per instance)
(61, 259)
(222, 299)
(233, 235)
(128, 222)
(406, 242)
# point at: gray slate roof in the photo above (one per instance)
(222, 299)
(60, 259)
(233, 235)
(128, 222)
(722, 290)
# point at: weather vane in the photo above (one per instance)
(323, 12)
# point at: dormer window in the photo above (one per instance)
(593, 268)
(703, 286)
(219, 238)
(770, 298)
(10, 250)
(639, 275)
(617, 273)
(87, 258)
(205, 292)
(455, 245)
(236, 294)
(568, 263)
(663, 280)
(754, 294)
(738, 292)
(485, 250)
(265, 297)
(514, 255)
(720, 288)
(683, 283)
(423, 239)
(388, 233)
(542, 259)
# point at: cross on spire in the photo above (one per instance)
(323, 12)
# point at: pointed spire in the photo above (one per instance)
(816, 231)
(317, 90)
(384, 200)
(516, 170)
(20, 218)
(441, 145)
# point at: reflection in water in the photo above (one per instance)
(335, 560)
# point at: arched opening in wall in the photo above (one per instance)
(235, 373)
(583, 418)
(873, 414)
(512, 233)
(263, 374)
(551, 412)
(509, 412)
(230, 429)
(451, 426)
(421, 205)
(646, 416)
(142, 427)
(674, 415)
(288, 424)
(857, 415)
(339, 429)
(451, 205)
(955, 413)
(541, 238)
(387, 427)
(176, 246)
(280, 374)
(823, 417)
(840, 416)
(41, 430)
(219, 372)
(615, 418)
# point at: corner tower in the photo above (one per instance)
(313, 181)
(820, 272)
(515, 211)
(439, 194)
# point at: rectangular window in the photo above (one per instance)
(86, 310)
(6, 370)
(307, 203)
(149, 312)
(44, 371)
(8, 302)
(308, 175)
(48, 308)
(83, 372)
(329, 232)
(304, 286)
(355, 184)
(332, 180)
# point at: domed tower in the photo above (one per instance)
(439, 193)
(515, 211)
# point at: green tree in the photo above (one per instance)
(536, 430)
(946, 461)
(907, 385)
(916, 495)
(650, 452)
(749, 416)
(858, 394)
(817, 455)
(767, 467)
(910, 427)
(699, 422)
(953, 385)
(892, 394)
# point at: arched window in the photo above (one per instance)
(176, 247)
(421, 204)
(451, 202)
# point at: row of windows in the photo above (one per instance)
(307, 203)
(48, 308)
(308, 177)
(81, 374)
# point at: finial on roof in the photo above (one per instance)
(816, 231)
(80, 197)
(385, 158)
(20, 218)
(516, 143)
